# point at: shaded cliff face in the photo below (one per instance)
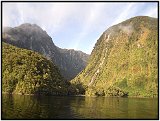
(28, 72)
(124, 61)
(31, 36)
(74, 61)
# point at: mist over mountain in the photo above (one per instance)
(124, 61)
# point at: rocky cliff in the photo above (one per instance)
(32, 37)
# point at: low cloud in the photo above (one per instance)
(127, 29)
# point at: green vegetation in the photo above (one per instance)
(32, 37)
(27, 72)
(124, 61)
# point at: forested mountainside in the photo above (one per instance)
(32, 37)
(124, 61)
(28, 72)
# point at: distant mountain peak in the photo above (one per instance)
(29, 25)
(33, 37)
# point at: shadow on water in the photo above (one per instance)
(54, 107)
(34, 107)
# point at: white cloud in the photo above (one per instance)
(7, 16)
(88, 17)
(124, 13)
(92, 19)
(152, 12)
(54, 15)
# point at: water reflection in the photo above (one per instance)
(45, 107)
(118, 108)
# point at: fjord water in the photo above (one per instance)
(74, 107)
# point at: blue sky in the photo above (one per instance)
(75, 25)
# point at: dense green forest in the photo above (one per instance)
(27, 72)
(124, 61)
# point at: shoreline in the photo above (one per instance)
(74, 95)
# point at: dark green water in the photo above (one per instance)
(53, 107)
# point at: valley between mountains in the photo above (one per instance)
(123, 63)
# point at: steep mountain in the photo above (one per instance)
(124, 61)
(28, 72)
(32, 37)
(74, 61)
